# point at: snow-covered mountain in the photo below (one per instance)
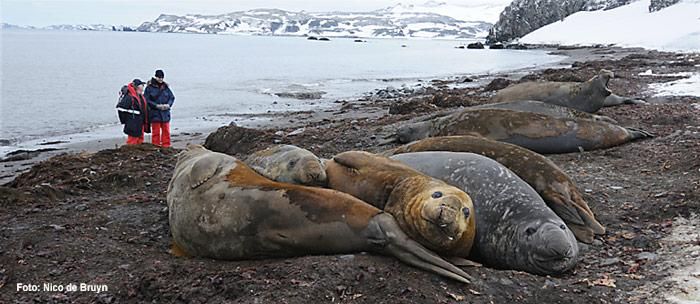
(89, 27)
(675, 27)
(395, 21)
(70, 27)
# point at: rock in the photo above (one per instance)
(496, 46)
(347, 257)
(608, 262)
(516, 46)
(597, 243)
(413, 106)
(5, 142)
(647, 256)
(360, 40)
(235, 140)
(475, 45)
(312, 38)
(323, 39)
(304, 95)
(296, 132)
(81, 207)
(498, 84)
(657, 5)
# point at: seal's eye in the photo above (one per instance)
(437, 194)
(563, 227)
(465, 211)
(292, 163)
(530, 231)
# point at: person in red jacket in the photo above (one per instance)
(133, 110)
(160, 99)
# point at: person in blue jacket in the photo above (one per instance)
(160, 99)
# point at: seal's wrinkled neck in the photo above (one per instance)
(414, 131)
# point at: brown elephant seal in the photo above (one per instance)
(586, 96)
(514, 228)
(540, 107)
(220, 208)
(538, 132)
(288, 164)
(551, 182)
(437, 215)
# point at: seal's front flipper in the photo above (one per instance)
(353, 159)
(203, 169)
(462, 262)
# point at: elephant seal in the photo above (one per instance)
(288, 164)
(538, 132)
(220, 208)
(435, 214)
(549, 109)
(551, 182)
(514, 228)
(586, 96)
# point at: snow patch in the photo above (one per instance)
(682, 87)
(675, 28)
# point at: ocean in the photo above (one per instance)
(63, 85)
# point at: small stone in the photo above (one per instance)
(347, 257)
(597, 243)
(279, 133)
(616, 187)
(610, 261)
(81, 207)
(57, 227)
(649, 256)
(505, 281)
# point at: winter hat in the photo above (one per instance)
(137, 82)
(160, 74)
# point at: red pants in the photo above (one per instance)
(160, 134)
(131, 140)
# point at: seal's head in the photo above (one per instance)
(289, 164)
(304, 169)
(437, 215)
(545, 247)
(600, 82)
(412, 132)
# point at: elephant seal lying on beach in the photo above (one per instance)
(220, 208)
(514, 228)
(538, 132)
(586, 96)
(551, 182)
(288, 164)
(437, 215)
(540, 107)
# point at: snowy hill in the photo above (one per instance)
(468, 11)
(674, 28)
(395, 21)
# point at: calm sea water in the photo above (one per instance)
(64, 84)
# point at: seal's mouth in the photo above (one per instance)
(607, 89)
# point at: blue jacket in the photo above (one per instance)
(158, 93)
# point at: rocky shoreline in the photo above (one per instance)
(101, 218)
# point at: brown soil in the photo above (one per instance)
(102, 218)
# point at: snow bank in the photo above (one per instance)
(682, 87)
(676, 28)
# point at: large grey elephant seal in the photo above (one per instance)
(220, 208)
(551, 182)
(288, 164)
(514, 228)
(540, 107)
(586, 96)
(538, 132)
(435, 214)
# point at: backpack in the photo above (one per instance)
(123, 111)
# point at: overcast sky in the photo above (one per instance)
(134, 12)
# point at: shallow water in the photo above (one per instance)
(65, 84)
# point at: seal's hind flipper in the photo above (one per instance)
(639, 133)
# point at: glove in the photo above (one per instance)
(163, 107)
